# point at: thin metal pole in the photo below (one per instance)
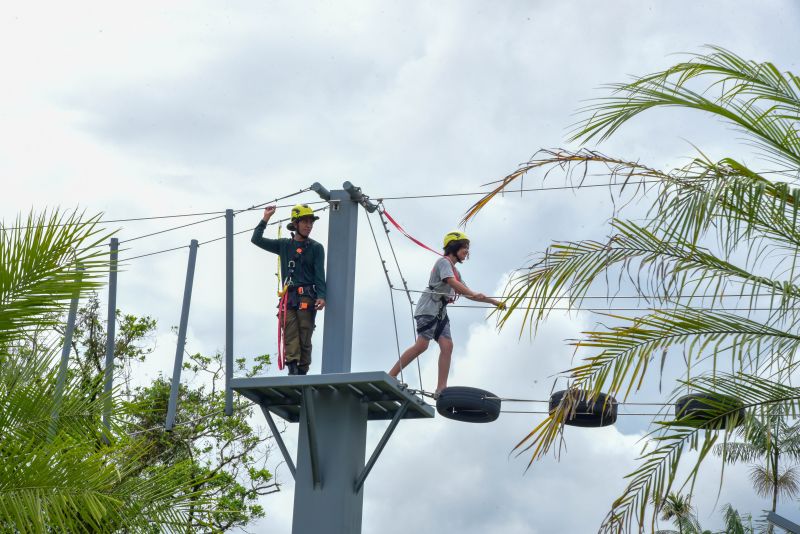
(111, 331)
(228, 311)
(277, 435)
(62, 368)
(381, 444)
(176, 371)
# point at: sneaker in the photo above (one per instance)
(292, 366)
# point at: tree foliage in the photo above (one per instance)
(62, 470)
(227, 455)
(714, 261)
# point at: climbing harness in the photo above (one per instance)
(291, 297)
(441, 320)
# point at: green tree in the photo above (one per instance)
(765, 443)
(719, 236)
(678, 509)
(227, 455)
(62, 470)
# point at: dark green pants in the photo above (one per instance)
(297, 334)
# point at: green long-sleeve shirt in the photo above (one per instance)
(311, 267)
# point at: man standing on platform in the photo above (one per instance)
(303, 295)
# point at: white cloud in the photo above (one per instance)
(151, 109)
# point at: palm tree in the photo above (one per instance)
(720, 236)
(766, 441)
(62, 470)
(678, 508)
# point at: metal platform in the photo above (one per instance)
(283, 395)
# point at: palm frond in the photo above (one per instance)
(39, 260)
(772, 128)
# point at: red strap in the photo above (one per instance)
(412, 238)
(282, 305)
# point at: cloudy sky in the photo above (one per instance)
(156, 108)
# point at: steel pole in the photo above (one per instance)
(228, 311)
(176, 371)
(62, 368)
(111, 330)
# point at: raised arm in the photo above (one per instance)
(258, 239)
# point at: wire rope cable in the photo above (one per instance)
(405, 284)
(391, 296)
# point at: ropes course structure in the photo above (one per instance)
(331, 470)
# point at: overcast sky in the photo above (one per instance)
(152, 108)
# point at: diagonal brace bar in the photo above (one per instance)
(311, 421)
(279, 439)
(381, 444)
(783, 523)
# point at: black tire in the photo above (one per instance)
(601, 412)
(470, 405)
(702, 410)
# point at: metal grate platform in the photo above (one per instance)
(283, 395)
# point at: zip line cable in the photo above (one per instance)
(640, 297)
(521, 190)
(403, 279)
(208, 241)
(257, 206)
(600, 308)
(406, 197)
(391, 295)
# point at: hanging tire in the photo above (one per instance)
(470, 405)
(703, 410)
(601, 412)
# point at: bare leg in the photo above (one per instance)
(419, 346)
(445, 352)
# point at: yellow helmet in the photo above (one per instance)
(302, 210)
(455, 235)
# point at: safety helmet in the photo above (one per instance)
(302, 210)
(455, 235)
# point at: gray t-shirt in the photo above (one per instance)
(438, 289)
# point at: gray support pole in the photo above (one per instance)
(111, 331)
(176, 371)
(228, 311)
(341, 272)
(62, 368)
(277, 435)
(341, 431)
(313, 444)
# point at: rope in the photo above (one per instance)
(391, 296)
(211, 240)
(380, 211)
(274, 201)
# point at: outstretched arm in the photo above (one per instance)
(462, 289)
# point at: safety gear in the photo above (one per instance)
(302, 210)
(292, 367)
(455, 235)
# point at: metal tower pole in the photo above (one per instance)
(176, 371)
(228, 311)
(333, 408)
(111, 330)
